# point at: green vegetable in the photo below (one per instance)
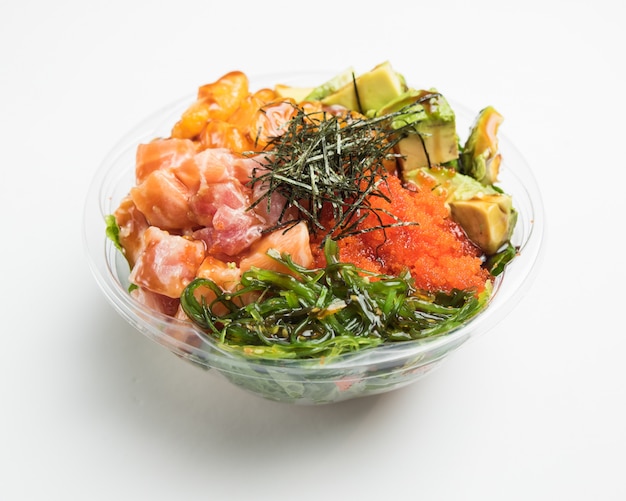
(485, 213)
(113, 232)
(481, 158)
(324, 311)
(497, 262)
(370, 91)
(435, 140)
(330, 86)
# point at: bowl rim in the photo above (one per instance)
(509, 287)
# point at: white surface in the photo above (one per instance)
(535, 409)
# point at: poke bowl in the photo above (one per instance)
(302, 379)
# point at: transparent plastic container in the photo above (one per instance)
(315, 381)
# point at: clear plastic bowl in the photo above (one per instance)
(359, 374)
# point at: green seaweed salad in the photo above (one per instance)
(326, 311)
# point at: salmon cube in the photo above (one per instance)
(167, 263)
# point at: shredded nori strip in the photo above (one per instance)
(332, 161)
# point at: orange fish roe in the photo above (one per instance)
(437, 252)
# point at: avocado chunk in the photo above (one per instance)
(486, 215)
(369, 91)
(481, 156)
(486, 221)
(330, 86)
(433, 140)
(298, 94)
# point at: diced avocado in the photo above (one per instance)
(330, 86)
(369, 91)
(298, 94)
(481, 157)
(486, 220)
(435, 140)
(486, 215)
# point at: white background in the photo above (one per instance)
(91, 409)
